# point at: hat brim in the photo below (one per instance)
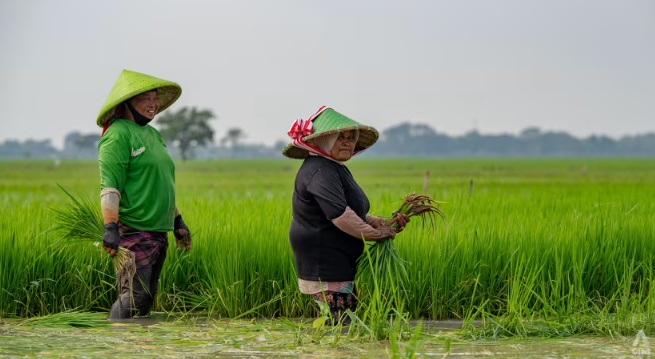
(367, 137)
(167, 96)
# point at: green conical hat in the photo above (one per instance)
(328, 122)
(130, 84)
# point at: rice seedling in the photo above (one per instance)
(67, 319)
(382, 261)
(81, 219)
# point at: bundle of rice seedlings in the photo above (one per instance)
(81, 220)
(381, 265)
(68, 319)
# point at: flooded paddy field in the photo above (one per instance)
(200, 337)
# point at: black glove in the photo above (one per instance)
(182, 234)
(111, 238)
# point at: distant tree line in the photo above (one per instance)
(76, 145)
(186, 132)
(188, 135)
(420, 140)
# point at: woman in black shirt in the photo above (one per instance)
(330, 210)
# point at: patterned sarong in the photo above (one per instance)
(338, 304)
(145, 245)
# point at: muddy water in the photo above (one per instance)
(202, 338)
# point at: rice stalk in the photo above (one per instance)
(81, 220)
(527, 218)
(384, 263)
(67, 319)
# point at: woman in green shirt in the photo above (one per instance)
(137, 179)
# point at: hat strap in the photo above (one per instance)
(301, 128)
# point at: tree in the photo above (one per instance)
(233, 135)
(186, 129)
(88, 142)
(531, 132)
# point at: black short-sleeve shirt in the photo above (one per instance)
(322, 191)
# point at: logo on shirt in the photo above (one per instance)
(138, 152)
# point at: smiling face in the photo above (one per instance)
(344, 146)
(147, 104)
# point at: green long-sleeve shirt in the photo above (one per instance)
(134, 160)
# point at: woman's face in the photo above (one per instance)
(147, 104)
(344, 146)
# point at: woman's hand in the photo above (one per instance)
(401, 219)
(111, 239)
(375, 221)
(182, 234)
(387, 232)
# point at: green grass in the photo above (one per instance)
(538, 241)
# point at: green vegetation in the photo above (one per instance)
(200, 337)
(382, 260)
(187, 128)
(540, 247)
(66, 320)
(81, 220)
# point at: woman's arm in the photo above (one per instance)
(114, 157)
(350, 223)
(110, 199)
(375, 221)
(327, 189)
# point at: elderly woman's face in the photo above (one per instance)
(344, 146)
(147, 104)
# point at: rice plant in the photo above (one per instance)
(535, 243)
(68, 319)
(382, 262)
(81, 219)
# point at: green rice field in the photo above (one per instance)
(535, 248)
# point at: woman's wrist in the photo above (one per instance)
(374, 221)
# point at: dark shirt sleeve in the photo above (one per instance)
(327, 188)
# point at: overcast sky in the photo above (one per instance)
(586, 67)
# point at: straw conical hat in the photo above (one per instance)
(328, 122)
(130, 84)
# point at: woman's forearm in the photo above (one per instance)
(374, 221)
(352, 224)
(110, 199)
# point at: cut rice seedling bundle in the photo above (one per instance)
(381, 264)
(81, 220)
(68, 319)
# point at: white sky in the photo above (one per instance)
(586, 67)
